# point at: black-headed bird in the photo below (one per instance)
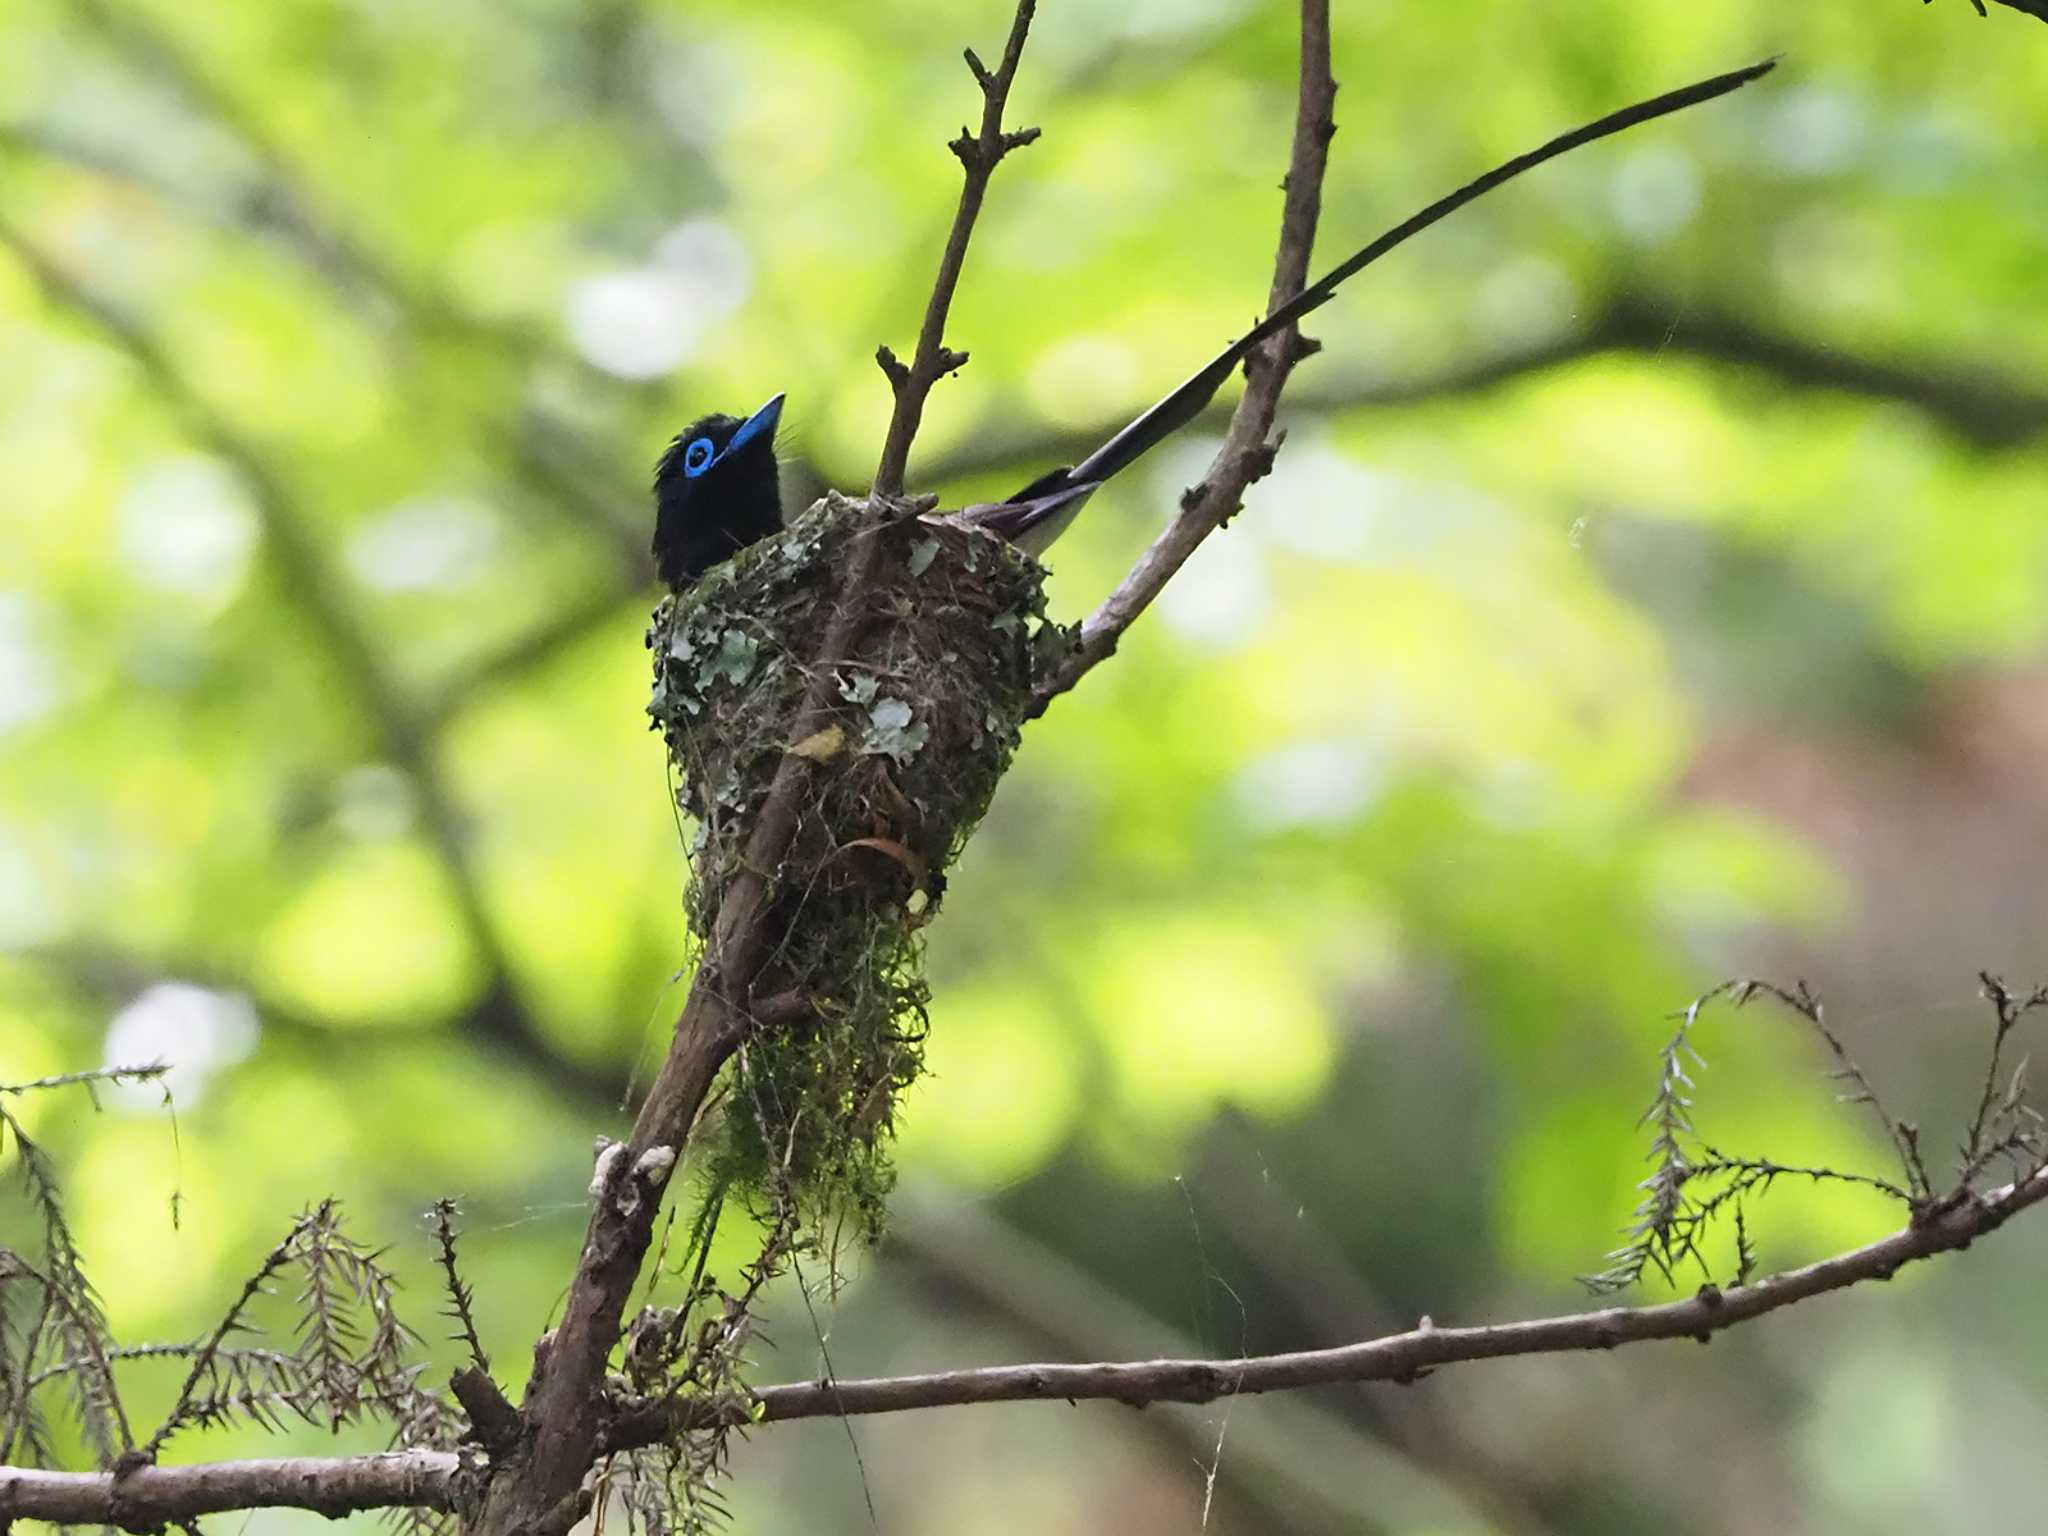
(716, 490)
(716, 486)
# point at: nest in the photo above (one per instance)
(924, 712)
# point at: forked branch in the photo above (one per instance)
(979, 155)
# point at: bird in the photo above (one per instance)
(716, 486)
(717, 489)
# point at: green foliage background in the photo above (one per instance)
(1652, 588)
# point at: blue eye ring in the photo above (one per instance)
(697, 457)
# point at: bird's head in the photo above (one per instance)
(716, 491)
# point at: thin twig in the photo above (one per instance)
(2007, 1011)
(86, 1080)
(979, 156)
(1903, 1136)
(461, 1299)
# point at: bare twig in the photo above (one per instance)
(1398, 1357)
(560, 1402)
(979, 156)
(1301, 1263)
(1293, 1469)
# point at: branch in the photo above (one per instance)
(979, 157)
(1294, 1467)
(1401, 1357)
(560, 1411)
(146, 1496)
(1246, 454)
(542, 1488)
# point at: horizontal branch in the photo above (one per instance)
(1400, 1357)
(150, 1496)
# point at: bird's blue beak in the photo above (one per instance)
(760, 424)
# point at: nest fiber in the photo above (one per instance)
(924, 710)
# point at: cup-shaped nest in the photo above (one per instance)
(922, 713)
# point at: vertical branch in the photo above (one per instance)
(459, 1308)
(979, 156)
(541, 1490)
(1247, 451)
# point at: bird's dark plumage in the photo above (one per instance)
(719, 508)
(716, 490)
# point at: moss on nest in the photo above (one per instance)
(924, 715)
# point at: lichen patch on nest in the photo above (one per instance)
(924, 713)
